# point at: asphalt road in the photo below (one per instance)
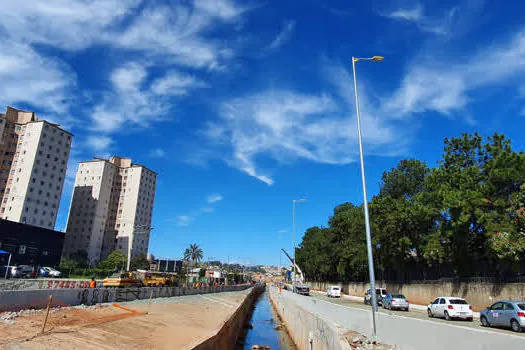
(420, 314)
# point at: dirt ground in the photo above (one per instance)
(171, 323)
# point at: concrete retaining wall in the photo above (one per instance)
(227, 336)
(308, 329)
(45, 283)
(479, 295)
(36, 299)
(405, 332)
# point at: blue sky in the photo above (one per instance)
(242, 107)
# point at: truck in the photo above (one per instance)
(122, 280)
(298, 277)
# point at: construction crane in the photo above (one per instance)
(297, 268)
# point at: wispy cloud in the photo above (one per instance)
(447, 86)
(31, 78)
(172, 37)
(283, 37)
(283, 231)
(183, 220)
(187, 219)
(158, 153)
(136, 102)
(287, 125)
(416, 14)
(214, 198)
(99, 143)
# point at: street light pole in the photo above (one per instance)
(146, 229)
(365, 200)
(294, 241)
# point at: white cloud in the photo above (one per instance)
(67, 24)
(99, 143)
(176, 83)
(284, 36)
(414, 14)
(158, 153)
(283, 231)
(28, 77)
(431, 24)
(447, 86)
(287, 125)
(132, 102)
(179, 34)
(214, 198)
(187, 219)
(128, 77)
(183, 220)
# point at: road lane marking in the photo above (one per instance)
(429, 321)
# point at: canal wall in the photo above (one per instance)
(227, 336)
(15, 300)
(479, 295)
(308, 329)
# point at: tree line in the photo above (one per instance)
(463, 218)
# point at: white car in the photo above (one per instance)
(449, 308)
(52, 272)
(334, 292)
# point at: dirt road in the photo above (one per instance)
(172, 323)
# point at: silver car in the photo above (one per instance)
(505, 313)
(395, 301)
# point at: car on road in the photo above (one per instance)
(51, 272)
(380, 294)
(334, 292)
(395, 301)
(450, 308)
(8, 269)
(21, 271)
(504, 313)
(301, 289)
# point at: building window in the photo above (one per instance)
(22, 249)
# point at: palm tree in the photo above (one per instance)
(193, 253)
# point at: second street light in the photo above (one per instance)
(365, 200)
(294, 233)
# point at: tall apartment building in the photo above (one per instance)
(111, 208)
(33, 162)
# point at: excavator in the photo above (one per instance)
(299, 286)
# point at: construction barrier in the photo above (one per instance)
(14, 300)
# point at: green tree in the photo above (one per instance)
(471, 189)
(81, 257)
(139, 262)
(401, 221)
(116, 259)
(193, 253)
(67, 264)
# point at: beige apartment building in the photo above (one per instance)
(111, 208)
(33, 163)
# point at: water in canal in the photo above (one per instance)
(265, 321)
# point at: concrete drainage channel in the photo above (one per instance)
(265, 329)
